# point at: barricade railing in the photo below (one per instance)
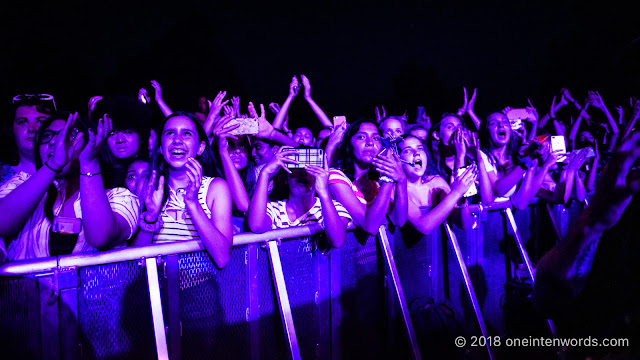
(336, 281)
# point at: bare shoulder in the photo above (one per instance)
(218, 189)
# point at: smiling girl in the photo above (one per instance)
(182, 200)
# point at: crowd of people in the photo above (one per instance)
(114, 177)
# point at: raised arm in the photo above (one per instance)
(267, 131)
(324, 119)
(389, 165)
(213, 116)
(472, 114)
(18, 206)
(230, 173)
(571, 139)
(563, 271)
(335, 227)
(257, 217)
(166, 111)
(102, 226)
(596, 101)
(294, 86)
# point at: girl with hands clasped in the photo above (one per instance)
(431, 199)
(182, 201)
(308, 201)
(352, 180)
(65, 206)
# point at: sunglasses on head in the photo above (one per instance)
(32, 97)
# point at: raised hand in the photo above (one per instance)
(576, 159)
(64, 147)
(620, 111)
(567, 95)
(221, 133)
(96, 141)
(279, 160)
(307, 87)
(294, 86)
(595, 99)
(533, 113)
(379, 115)
(228, 111)
(217, 104)
(552, 110)
(194, 172)
(153, 197)
(389, 164)
(458, 142)
(92, 103)
(158, 91)
(142, 96)
(337, 135)
(235, 102)
(472, 101)
(265, 129)
(274, 107)
(322, 179)
(465, 104)
(462, 183)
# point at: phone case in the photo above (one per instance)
(66, 225)
(514, 114)
(248, 126)
(306, 157)
(339, 120)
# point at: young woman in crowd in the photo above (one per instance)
(17, 155)
(308, 201)
(369, 183)
(431, 199)
(182, 200)
(65, 206)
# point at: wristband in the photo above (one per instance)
(153, 227)
(90, 174)
(46, 163)
(385, 179)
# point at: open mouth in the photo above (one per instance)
(417, 162)
(178, 152)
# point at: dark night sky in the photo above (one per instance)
(400, 54)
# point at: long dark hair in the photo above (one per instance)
(206, 159)
(513, 146)
(437, 162)
(343, 158)
(83, 125)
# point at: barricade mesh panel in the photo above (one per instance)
(272, 342)
(362, 300)
(297, 257)
(213, 308)
(114, 312)
(16, 293)
(412, 252)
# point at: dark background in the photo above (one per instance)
(357, 54)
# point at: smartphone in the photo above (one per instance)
(66, 225)
(472, 189)
(248, 126)
(515, 114)
(306, 157)
(558, 143)
(339, 120)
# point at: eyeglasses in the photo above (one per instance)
(32, 97)
(48, 135)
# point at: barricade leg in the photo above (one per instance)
(467, 282)
(283, 300)
(525, 257)
(156, 309)
(395, 279)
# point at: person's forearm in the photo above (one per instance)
(426, 223)
(629, 127)
(505, 183)
(377, 211)
(238, 191)
(99, 222)
(164, 108)
(333, 226)
(613, 126)
(282, 114)
(591, 179)
(486, 188)
(524, 194)
(475, 119)
(282, 139)
(565, 187)
(257, 218)
(398, 214)
(215, 242)
(324, 119)
(580, 191)
(18, 206)
(532, 133)
(574, 128)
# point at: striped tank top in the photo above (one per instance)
(178, 225)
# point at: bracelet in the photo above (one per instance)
(90, 174)
(385, 179)
(46, 163)
(153, 227)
